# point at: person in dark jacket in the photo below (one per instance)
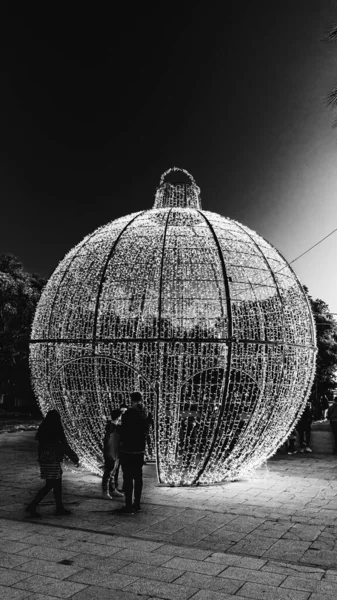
(134, 428)
(51, 449)
(111, 457)
(304, 428)
(332, 416)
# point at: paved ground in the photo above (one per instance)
(273, 536)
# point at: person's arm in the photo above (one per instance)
(106, 434)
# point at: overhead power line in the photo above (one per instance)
(314, 246)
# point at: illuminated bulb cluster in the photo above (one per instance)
(197, 312)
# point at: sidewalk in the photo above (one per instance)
(273, 536)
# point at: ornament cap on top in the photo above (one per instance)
(177, 194)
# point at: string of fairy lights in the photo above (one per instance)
(196, 311)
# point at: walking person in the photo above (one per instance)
(332, 416)
(304, 428)
(134, 429)
(111, 456)
(324, 405)
(290, 443)
(51, 450)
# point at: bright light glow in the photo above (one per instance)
(197, 312)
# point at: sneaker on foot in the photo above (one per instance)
(106, 495)
(116, 494)
(136, 507)
(62, 511)
(302, 450)
(308, 449)
(125, 510)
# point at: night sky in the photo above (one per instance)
(95, 106)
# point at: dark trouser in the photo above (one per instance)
(51, 484)
(110, 475)
(333, 425)
(132, 466)
(304, 431)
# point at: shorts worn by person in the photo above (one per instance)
(134, 428)
(111, 457)
(51, 450)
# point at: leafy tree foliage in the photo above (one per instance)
(326, 362)
(19, 294)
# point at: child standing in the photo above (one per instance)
(51, 450)
(111, 457)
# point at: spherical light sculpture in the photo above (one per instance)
(196, 311)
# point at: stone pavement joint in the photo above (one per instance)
(271, 536)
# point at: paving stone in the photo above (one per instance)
(228, 534)
(327, 587)
(10, 576)
(214, 543)
(52, 541)
(95, 549)
(268, 592)
(12, 560)
(245, 524)
(241, 574)
(293, 570)
(100, 579)
(208, 582)
(287, 549)
(173, 524)
(127, 527)
(319, 558)
(139, 545)
(93, 538)
(97, 593)
(218, 519)
(107, 564)
(151, 572)
(209, 595)
(223, 559)
(9, 593)
(167, 591)
(12, 547)
(48, 568)
(197, 566)
(315, 596)
(273, 529)
(49, 586)
(147, 558)
(251, 544)
(331, 574)
(13, 534)
(303, 532)
(54, 554)
(38, 596)
(249, 562)
(184, 552)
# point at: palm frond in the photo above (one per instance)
(332, 35)
(332, 98)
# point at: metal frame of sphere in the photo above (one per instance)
(196, 311)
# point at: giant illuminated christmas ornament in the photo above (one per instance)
(197, 312)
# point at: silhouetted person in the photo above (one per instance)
(134, 429)
(304, 428)
(51, 450)
(324, 405)
(332, 416)
(111, 456)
